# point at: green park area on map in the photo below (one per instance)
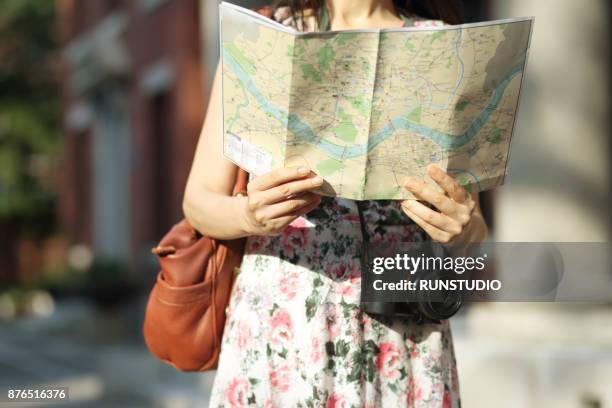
(368, 109)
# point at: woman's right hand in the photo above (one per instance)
(277, 198)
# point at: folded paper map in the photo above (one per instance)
(366, 109)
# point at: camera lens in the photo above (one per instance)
(439, 305)
(441, 310)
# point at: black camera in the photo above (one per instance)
(427, 307)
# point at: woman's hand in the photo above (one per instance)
(277, 198)
(458, 220)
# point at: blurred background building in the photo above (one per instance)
(101, 104)
(133, 106)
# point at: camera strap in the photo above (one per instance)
(371, 308)
(365, 240)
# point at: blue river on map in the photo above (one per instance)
(303, 132)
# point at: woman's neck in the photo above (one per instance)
(351, 14)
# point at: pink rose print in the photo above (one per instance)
(316, 351)
(348, 270)
(364, 319)
(351, 217)
(388, 361)
(415, 393)
(333, 321)
(289, 284)
(237, 392)
(281, 378)
(295, 236)
(376, 239)
(244, 334)
(354, 271)
(256, 243)
(393, 239)
(337, 271)
(336, 401)
(282, 327)
(345, 289)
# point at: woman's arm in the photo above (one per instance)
(273, 201)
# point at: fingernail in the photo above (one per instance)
(317, 180)
(409, 184)
(303, 170)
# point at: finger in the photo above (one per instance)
(435, 233)
(277, 177)
(283, 221)
(308, 208)
(426, 193)
(438, 220)
(290, 207)
(464, 211)
(472, 201)
(288, 190)
(448, 184)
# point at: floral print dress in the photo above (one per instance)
(295, 334)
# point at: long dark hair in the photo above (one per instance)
(445, 10)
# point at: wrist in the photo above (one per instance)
(241, 211)
(478, 230)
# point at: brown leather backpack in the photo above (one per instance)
(185, 313)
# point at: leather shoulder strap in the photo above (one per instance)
(242, 179)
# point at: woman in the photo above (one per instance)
(295, 335)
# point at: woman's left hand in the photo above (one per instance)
(458, 221)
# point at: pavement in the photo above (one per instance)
(99, 355)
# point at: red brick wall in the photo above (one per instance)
(171, 33)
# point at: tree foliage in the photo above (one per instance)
(29, 109)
